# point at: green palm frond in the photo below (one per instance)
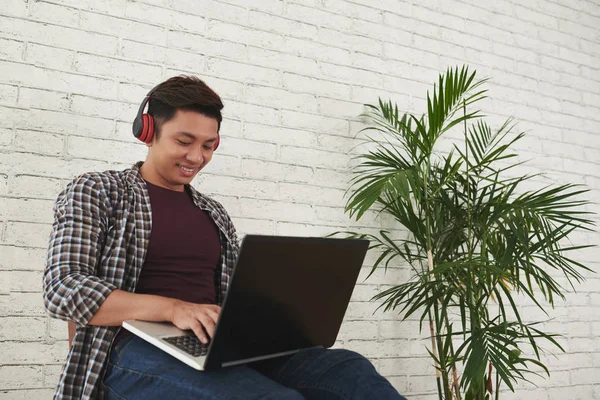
(477, 242)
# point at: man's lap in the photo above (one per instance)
(137, 369)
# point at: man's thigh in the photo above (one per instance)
(139, 370)
(320, 373)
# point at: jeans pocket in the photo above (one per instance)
(117, 349)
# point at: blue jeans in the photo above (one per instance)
(138, 370)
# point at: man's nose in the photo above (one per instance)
(196, 155)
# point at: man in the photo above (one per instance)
(144, 244)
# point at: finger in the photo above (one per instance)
(214, 308)
(208, 324)
(196, 326)
(212, 315)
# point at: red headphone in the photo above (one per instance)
(143, 124)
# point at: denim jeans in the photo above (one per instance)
(139, 370)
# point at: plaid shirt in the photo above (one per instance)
(99, 241)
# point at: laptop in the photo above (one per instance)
(286, 294)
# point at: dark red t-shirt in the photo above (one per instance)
(183, 252)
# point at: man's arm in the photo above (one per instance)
(121, 305)
(72, 289)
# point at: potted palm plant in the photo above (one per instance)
(475, 239)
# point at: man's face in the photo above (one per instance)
(185, 146)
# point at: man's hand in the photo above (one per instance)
(200, 318)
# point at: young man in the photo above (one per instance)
(144, 244)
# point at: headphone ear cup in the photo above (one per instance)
(217, 142)
(147, 133)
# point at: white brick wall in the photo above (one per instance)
(293, 74)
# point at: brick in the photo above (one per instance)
(3, 177)
(52, 374)
(15, 7)
(5, 283)
(318, 17)
(252, 113)
(406, 366)
(314, 122)
(46, 99)
(317, 51)
(422, 383)
(84, 105)
(238, 187)
(575, 29)
(57, 329)
(11, 49)
(439, 47)
(436, 18)
(254, 226)
(258, 169)
(21, 305)
(206, 46)
(39, 142)
(20, 376)
(349, 74)
(22, 258)
(23, 328)
(381, 32)
(27, 210)
(8, 95)
(213, 10)
(63, 122)
(283, 26)
(306, 157)
(333, 37)
(36, 187)
(317, 86)
(165, 17)
(128, 29)
(572, 392)
(41, 78)
(248, 148)
(97, 65)
(365, 330)
(89, 148)
(27, 234)
(27, 394)
(106, 6)
(376, 64)
(26, 352)
(164, 55)
(281, 211)
(59, 36)
(270, 6)
(26, 281)
(383, 348)
(243, 72)
(296, 229)
(310, 194)
(57, 14)
(277, 134)
(280, 98)
(218, 30)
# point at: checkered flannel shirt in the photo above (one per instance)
(98, 243)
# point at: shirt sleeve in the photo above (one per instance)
(72, 289)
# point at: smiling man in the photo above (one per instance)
(144, 244)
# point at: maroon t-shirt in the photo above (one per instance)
(183, 252)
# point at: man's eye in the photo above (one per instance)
(208, 147)
(183, 143)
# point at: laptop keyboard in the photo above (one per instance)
(189, 343)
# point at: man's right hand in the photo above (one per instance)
(200, 318)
